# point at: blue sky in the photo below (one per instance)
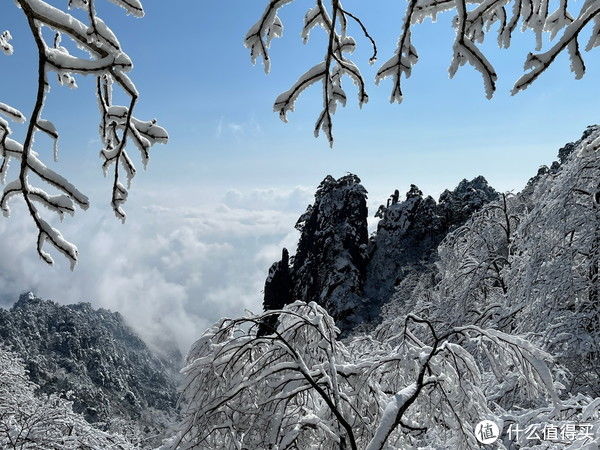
(195, 77)
(234, 178)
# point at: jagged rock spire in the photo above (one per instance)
(337, 267)
(330, 262)
(278, 290)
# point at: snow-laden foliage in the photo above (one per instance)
(553, 268)
(28, 421)
(561, 21)
(298, 387)
(528, 264)
(329, 72)
(94, 359)
(104, 59)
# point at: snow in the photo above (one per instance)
(538, 63)
(133, 7)
(48, 127)
(12, 113)
(286, 101)
(329, 72)
(108, 63)
(63, 61)
(390, 417)
(5, 37)
(472, 21)
(267, 27)
(497, 294)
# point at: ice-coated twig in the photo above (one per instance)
(108, 63)
(474, 19)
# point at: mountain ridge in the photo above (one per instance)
(351, 274)
(93, 358)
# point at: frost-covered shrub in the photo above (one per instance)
(44, 422)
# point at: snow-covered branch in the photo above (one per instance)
(329, 72)
(297, 386)
(108, 63)
(473, 20)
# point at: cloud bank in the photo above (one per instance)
(171, 269)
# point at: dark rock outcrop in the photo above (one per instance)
(94, 359)
(330, 262)
(338, 267)
(278, 290)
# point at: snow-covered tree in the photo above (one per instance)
(527, 264)
(300, 387)
(105, 59)
(28, 421)
(472, 264)
(554, 269)
(562, 21)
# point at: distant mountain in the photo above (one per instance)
(93, 358)
(352, 276)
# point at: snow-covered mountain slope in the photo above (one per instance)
(91, 357)
(527, 264)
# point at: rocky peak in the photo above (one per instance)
(413, 192)
(352, 277)
(330, 260)
(564, 154)
(29, 300)
(458, 205)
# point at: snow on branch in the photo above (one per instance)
(296, 386)
(328, 72)
(108, 63)
(473, 20)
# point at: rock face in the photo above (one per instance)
(336, 264)
(278, 290)
(330, 262)
(409, 233)
(94, 359)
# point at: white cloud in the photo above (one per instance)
(170, 270)
(249, 127)
(275, 199)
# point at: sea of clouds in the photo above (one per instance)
(174, 268)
